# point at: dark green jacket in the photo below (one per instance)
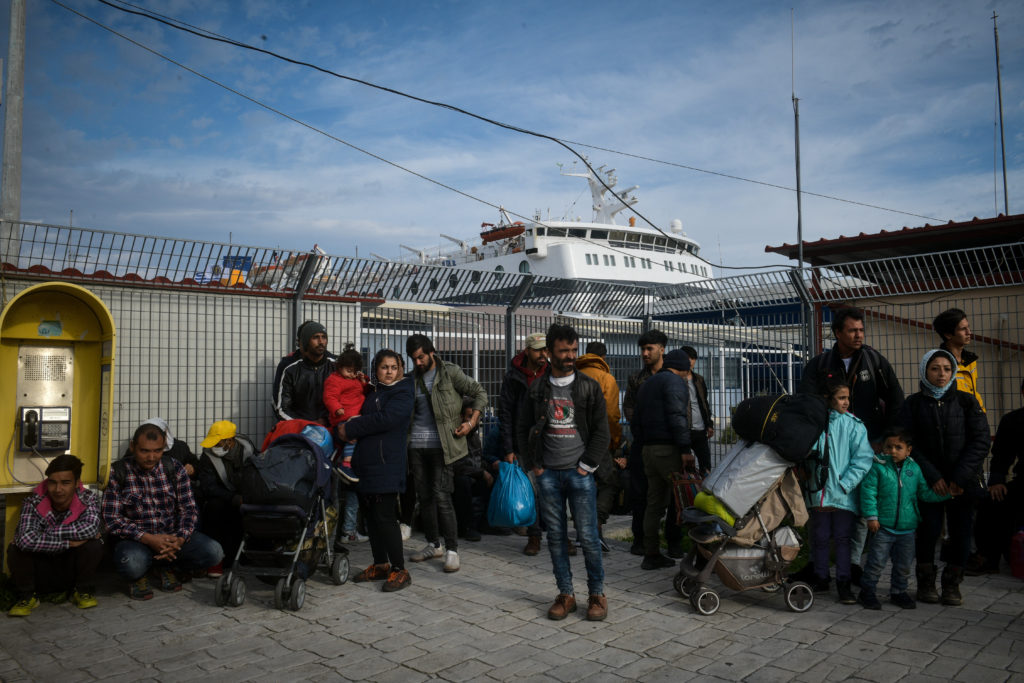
(450, 385)
(890, 496)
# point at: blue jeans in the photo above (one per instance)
(133, 559)
(555, 487)
(900, 547)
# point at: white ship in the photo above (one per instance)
(575, 249)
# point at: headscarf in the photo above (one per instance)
(928, 387)
(161, 424)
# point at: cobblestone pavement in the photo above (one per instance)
(488, 621)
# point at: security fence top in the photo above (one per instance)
(68, 253)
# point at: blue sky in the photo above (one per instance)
(897, 104)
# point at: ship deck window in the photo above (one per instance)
(577, 232)
(598, 234)
(524, 266)
(645, 239)
(539, 232)
(617, 235)
(556, 232)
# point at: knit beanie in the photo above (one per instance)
(308, 331)
(676, 360)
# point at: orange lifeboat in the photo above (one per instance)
(502, 232)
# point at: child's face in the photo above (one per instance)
(896, 448)
(348, 373)
(841, 400)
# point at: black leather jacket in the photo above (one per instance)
(301, 394)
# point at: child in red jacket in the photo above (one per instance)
(344, 391)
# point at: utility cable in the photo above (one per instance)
(209, 35)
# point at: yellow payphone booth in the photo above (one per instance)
(56, 387)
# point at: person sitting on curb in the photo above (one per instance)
(57, 546)
(220, 467)
(149, 509)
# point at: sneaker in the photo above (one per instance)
(216, 571)
(406, 531)
(397, 580)
(597, 608)
(451, 561)
(869, 600)
(24, 607)
(83, 599)
(345, 472)
(169, 582)
(564, 604)
(658, 561)
(353, 537)
(140, 590)
(532, 546)
(903, 600)
(375, 572)
(429, 552)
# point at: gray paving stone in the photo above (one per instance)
(733, 667)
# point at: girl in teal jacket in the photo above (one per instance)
(845, 456)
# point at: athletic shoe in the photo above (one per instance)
(345, 472)
(353, 537)
(406, 531)
(903, 600)
(169, 582)
(216, 571)
(429, 552)
(140, 590)
(869, 600)
(375, 572)
(83, 599)
(397, 580)
(24, 607)
(451, 561)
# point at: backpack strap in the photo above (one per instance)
(119, 470)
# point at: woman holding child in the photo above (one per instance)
(379, 463)
(950, 441)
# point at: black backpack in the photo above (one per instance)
(790, 424)
(119, 470)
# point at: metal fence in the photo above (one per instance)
(201, 325)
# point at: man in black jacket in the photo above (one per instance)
(662, 424)
(528, 365)
(563, 431)
(301, 394)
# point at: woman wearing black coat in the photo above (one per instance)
(951, 440)
(379, 461)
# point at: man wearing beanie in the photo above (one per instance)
(661, 423)
(300, 396)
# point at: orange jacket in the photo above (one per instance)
(596, 368)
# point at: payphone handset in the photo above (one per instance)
(45, 428)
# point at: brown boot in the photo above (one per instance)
(532, 545)
(564, 604)
(597, 608)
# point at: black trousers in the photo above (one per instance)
(379, 512)
(72, 569)
(996, 522)
(222, 522)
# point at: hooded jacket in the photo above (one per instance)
(42, 529)
(889, 494)
(446, 395)
(597, 369)
(967, 374)
(875, 393)
(951, 437)
(513, 389)
(849, 459)
(662, 415)
(381, 429)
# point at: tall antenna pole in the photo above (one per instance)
(10, 184)
(805, 319)
(1002, 141)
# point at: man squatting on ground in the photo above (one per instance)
(563, 439)
(57, 546)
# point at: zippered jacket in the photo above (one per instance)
(951, 437)
(967, 374)
(849, 459)
(596, 368)
(42, 529)
(381, 429)
(450, 385)
(890, 495)
(513, 388)
(662, 414)
(300, 395)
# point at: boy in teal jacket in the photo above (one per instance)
(888, 500)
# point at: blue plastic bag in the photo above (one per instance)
(512, 502)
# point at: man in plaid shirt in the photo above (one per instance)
(56, 548)
(149, 509)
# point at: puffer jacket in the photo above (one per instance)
(889, 494)
(849, 459)
(450, 385)
(662, 414)
(596, 368)
(381, 428)
(591, 421)
(951, 437)
(967, 374)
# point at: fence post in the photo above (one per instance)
(807, 313)
(510, 326)
(310, 267)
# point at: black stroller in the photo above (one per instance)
(288, 520)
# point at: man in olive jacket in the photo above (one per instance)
(437, 438)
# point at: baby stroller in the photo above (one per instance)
(736, 524)
(288, 520)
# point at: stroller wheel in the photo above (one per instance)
(237, 592)
(298, 595)
(220, 591)
(705, 600)
(281, 593)
(799, 596)
(683, 585)
(339, 569)
(772, 588)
